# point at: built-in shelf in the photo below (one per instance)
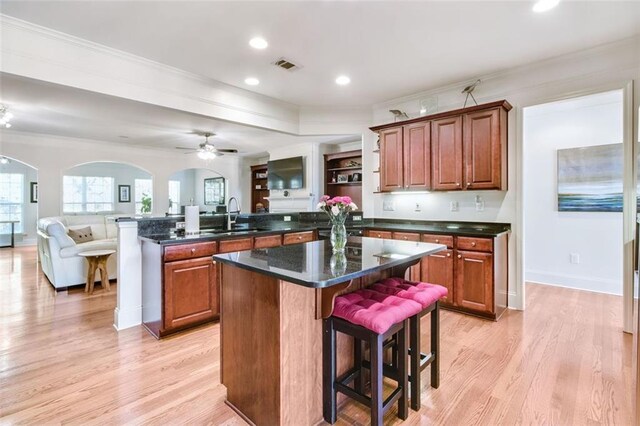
(344, 183)
(376, 171)
(259, 195)
(375, 150)
(340, 169)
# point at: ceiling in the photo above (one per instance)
(389, 49)
(47, 108)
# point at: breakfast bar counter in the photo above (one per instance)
(272, 302)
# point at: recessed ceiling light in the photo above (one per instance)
(343, 80)
(252, 81)
(545, 5)
(258, 43)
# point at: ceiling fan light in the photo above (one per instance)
(7, 125)
(203, 155)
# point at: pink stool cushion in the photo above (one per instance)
(374, 311)
(423, 293)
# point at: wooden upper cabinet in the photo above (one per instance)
(485, 149)
(446, 153)
(417, 156)
(391, 160)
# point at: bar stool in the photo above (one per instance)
(367, 316)
(428, 296)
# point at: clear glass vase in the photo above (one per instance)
(338, 237)
(338, 264)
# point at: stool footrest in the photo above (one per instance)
(365, 400)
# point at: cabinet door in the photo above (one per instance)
(298, 237)
(268, 241)
(416, 142)
(446, 153)
(414, 271)
(438, 269)
(483, 146)
(391, 167)
(190, 292)
(474, 281)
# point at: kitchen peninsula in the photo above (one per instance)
(272, 302)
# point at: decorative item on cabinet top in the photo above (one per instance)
(463, 149)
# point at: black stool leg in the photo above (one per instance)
(414, 326)
(329, 405)
(435, 346)
(403, 378)
(377, 399)
(357, 360)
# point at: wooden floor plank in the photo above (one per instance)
(564, 361)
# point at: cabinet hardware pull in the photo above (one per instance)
(405, 238)
(473, 243)
(468, 183)
(379, 235)
(457, 183)
(299, 238)
(459, 256)
(193, 250)
(448, 254)
(437, 241)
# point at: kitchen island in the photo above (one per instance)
(272, 302)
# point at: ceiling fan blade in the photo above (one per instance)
(230, 151)
(181, 147)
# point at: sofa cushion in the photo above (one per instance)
(109, 244)
(57, 230)
(82, 235)
(95, 221)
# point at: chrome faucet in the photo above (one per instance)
(236, 212)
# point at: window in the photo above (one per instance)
(174, 196)
(87, 194)
(143, 191)
(11, 201)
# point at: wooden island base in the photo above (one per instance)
(271, 344)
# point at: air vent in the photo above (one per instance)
(286, 64)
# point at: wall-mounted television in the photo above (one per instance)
(286, 173)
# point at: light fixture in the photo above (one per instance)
(343, 80)
(5, 117)
(206, 155)
(258, 43)
(4, 160)
(544, 5)
(252, 81)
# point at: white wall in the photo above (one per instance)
(123, 174)
(30, 210)
(550, 235)
(52, 155)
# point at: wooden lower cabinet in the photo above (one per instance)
(474, 281)
(438, 269)
(190, 292)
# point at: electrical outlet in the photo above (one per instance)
(479, 204)
(180, 225)
(357, 218)
(418, 207)
(287, 218)
(388, 206)
(574, 258)
(453, 206)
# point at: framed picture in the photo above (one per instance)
(124, 193)
(357, 177)
(343, 178)
(34, 192)
(214, 191)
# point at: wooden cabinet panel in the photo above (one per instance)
(474, 281)
(406, 236)
(391, 160)
(238, 244)
(417, 156)
(190, 292)
(189, 251)
(379, 234)
(267, 241)
(438, 269)
(483, 150)
(474, 243)
(446, 152)
(438, 239)
(298, 237)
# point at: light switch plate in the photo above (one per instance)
(388, 206)
(453, 206)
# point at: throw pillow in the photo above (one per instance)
(81, 235)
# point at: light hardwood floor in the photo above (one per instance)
(564, 361)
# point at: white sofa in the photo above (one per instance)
(58, 253)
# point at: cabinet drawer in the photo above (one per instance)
(379, 234)
(406, 236)
(267, 241)
(476, 244)
(438, 239)
(238, 244)
(297, 237)
(189, 251)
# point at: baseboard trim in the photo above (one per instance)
(570, 287)
(123, 319)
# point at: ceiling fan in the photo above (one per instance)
(206, 150)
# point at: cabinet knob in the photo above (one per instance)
(457, 183)
(459, 256)
(379, 235)
(193, 250)
(299, 237)
(448, 254)
(468, 183)
(405, 238)
(473, 243)
(437, 241)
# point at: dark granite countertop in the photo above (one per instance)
(314, 265)
(475, 229)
